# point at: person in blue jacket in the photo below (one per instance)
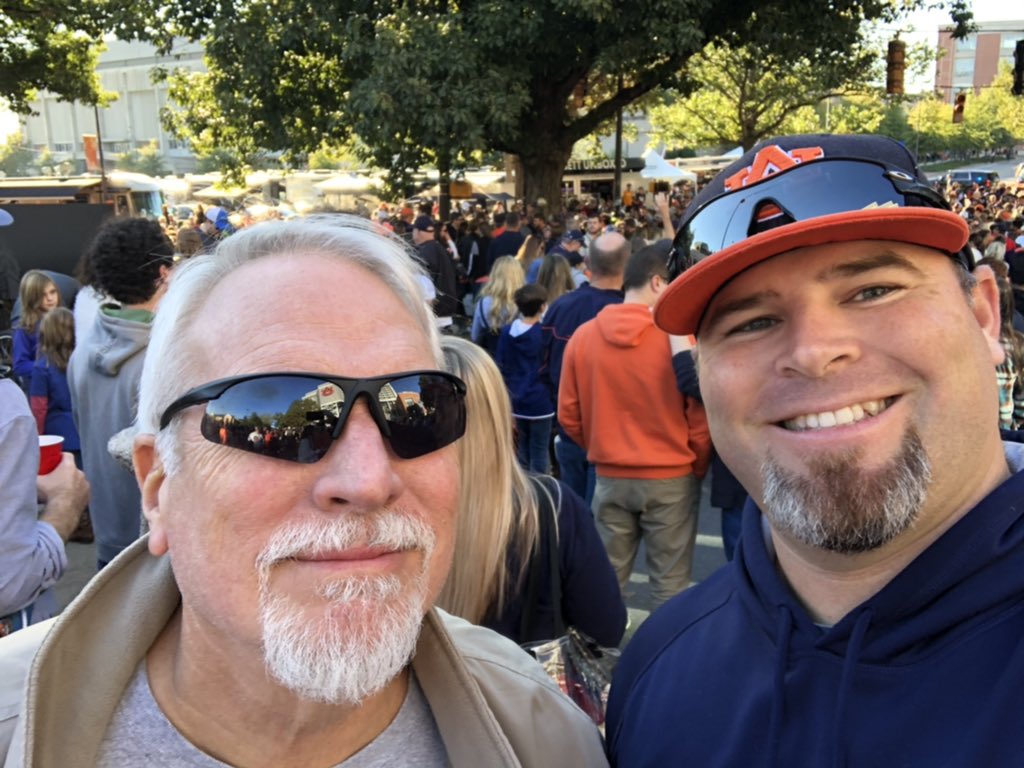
(519, 359)
(607, 255)
(38, 294)
(873, 613)
(49, 396)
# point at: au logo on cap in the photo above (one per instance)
(769, 161)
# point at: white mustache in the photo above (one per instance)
(392, 530)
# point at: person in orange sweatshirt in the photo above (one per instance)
(649, 442)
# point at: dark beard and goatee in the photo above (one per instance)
(839, 507)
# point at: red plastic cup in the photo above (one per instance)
(50, 449)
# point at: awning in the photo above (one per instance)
(347, 184)
(221, 193)
(657, 167)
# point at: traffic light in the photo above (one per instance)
(1018, 69)
(958, 107)
(895, 62)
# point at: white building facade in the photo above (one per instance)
(130, 122)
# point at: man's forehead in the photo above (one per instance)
(353, 346)
(303, 289)
(289, 268)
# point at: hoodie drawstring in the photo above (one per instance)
(845, 684)
(783, 631)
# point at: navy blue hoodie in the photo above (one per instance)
(567, 313)
(518, 357)
(927, 672)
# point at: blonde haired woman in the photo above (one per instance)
(499, 526)
(497, 306)
(556, 276)
(529, 252)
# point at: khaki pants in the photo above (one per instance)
(664, 514)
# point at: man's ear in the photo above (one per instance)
(986, 310)
(149, 474)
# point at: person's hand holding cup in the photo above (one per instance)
(50, 449)
(64, 494)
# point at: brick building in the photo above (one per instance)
(972, 64)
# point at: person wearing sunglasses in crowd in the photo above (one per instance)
(872, 614)
(279, 612)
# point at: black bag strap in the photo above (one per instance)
(546, 548)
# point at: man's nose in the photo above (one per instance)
(819, 341)
(359, 470)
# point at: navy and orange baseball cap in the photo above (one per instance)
(796, 191)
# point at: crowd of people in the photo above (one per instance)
(995, 217)
(354, 443)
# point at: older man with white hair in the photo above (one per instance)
(280, 610)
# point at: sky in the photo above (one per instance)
(8, 123)
(924, 24)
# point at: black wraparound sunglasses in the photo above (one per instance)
(298, 416)
(805, 191)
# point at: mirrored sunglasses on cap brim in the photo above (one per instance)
(806, 191)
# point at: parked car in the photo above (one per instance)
(982, 176)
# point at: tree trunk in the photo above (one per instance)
(543, 168)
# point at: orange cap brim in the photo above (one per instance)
(681, 307)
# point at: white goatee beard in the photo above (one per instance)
(369, 625)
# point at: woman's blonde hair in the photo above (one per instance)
(531, 250)
(497, 521)
(556, 276)
(33, 285)
(506, 278)
(57, 336)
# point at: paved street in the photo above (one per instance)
(1004, 168)
(709, 556)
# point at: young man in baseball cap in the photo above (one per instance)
(846, 347)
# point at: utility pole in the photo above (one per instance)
(99, 144)
(617, 184)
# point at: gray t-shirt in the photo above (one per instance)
(140, 734)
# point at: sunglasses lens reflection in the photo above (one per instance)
(286, 417)
(426, 414)
(295, 417)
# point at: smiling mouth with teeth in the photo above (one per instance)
(851, 414)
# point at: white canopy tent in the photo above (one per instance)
(657, 167)
(220, 193)
(347, 184)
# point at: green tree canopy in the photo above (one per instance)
(434, 81)
(146, 160)
(15, 158)
(52, 45)
(867, 112)
(993, 119)
(748, 93)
